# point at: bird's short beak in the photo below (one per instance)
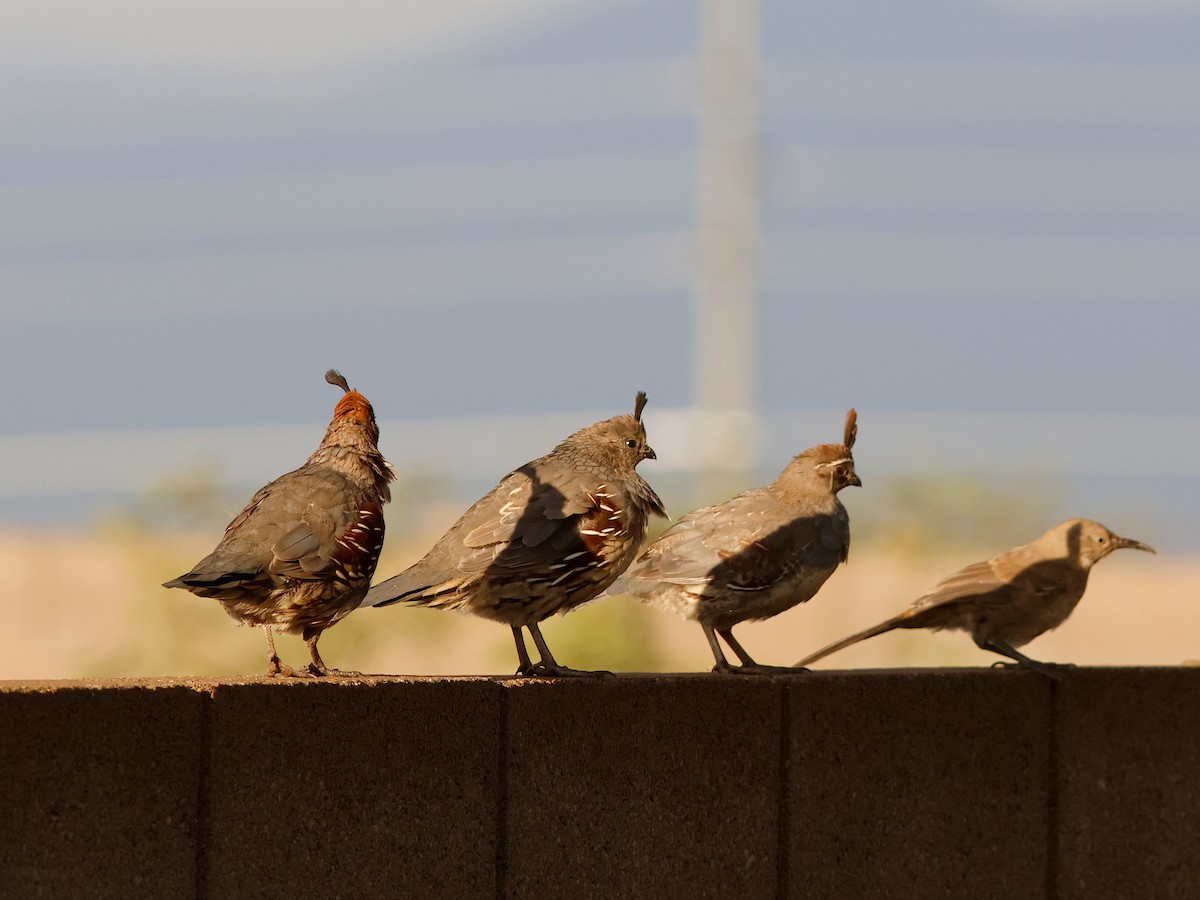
(855, 480)
(1133, 545)
(650, 454)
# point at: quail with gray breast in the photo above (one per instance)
(300, 556)
(551, 536)
(1006, 602)
(756, 555)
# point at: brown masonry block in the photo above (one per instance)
(642, 786)
(378, 789)
(917, 784)
(1128, 805)
(924, 784)
(98, 790)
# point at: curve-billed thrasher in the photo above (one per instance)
(1006, 602)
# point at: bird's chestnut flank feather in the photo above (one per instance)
(300, 556)
(552, 535)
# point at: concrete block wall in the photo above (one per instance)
(897, 784)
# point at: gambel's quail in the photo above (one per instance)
(300, 556)
(1006, 602)
(756, 555)
(551, 536)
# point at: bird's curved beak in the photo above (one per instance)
(855, 480)
(650, 454)
(1121, 542)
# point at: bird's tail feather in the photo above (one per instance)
(898, 621)
(389, 598)
(415, 587)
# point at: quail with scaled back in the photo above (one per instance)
(551, 536)
(754, 556)
(1006, 602)
(300, 556)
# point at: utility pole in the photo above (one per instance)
(727, 428)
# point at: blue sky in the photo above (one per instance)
(479, 209)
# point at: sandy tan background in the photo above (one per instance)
(88, 604)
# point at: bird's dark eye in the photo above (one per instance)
(631, 444)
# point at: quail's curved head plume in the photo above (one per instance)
(756, 555)
(551, 536)
(1007, 601)
(353, 422)
(300, 556)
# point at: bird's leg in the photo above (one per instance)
(737, 648)
(275, 666)
(722, 664)
(1020, 660)
(749, 666)
(317, 667)
(525, 664)
(547, 665)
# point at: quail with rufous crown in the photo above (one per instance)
(300, 556)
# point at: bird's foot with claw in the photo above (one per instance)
(1050, 670)
(276, 669)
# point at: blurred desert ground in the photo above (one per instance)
(88, 602)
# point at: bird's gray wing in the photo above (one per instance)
(236, 567)
(748, 543)
(526, 522)
(286, 530)
(319, 511)
(979, 583)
